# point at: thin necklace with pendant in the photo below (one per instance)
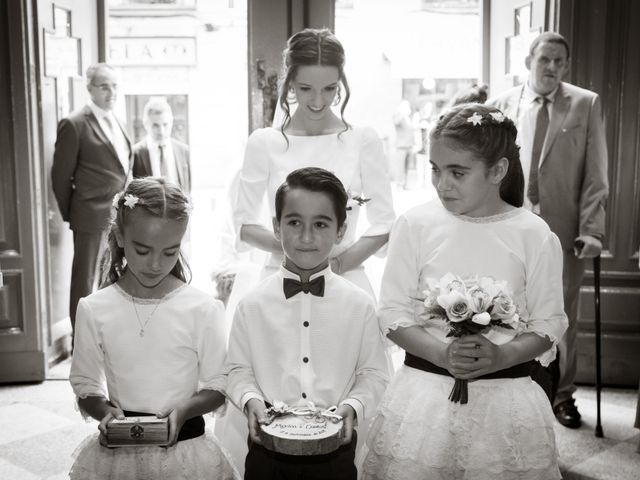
(144, 325)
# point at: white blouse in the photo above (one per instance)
(516, 247)
(182, 350)
(327, 350)
(356, 157)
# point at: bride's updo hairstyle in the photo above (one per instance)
(490, 135)
(156, 197)
(309, 47)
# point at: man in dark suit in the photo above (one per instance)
(91, 163)
(158, 154)
(564, 157)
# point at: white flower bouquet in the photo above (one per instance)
(468, 306)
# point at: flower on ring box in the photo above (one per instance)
(456, 306)
(131, 200)
(498, 117)
(476, 119)
(116, 199)
(279, 406)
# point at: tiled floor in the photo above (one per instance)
(40, 429)
(614, 457)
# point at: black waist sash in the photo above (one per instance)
(520, 370)
(192, 428)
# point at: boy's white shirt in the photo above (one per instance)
(343, 344)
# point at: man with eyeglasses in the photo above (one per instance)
(564, 158)
(92, 162)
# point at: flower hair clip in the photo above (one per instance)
(131, 200)
(498, 117)
(492, 117)
(476, 119)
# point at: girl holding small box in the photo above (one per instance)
(158, 343)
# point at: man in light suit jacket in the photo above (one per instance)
(564, 156)
(159, 154)
(91, 163)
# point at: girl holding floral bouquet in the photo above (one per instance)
(472, 291)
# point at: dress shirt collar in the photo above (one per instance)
(153, 145)
(99, 112)
(327, 272)
(530, 95)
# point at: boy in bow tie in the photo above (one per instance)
(306, 334)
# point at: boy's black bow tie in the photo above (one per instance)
(291, 287)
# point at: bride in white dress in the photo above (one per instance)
(312, 135)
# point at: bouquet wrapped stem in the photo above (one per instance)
(460, 392)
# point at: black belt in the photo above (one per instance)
(192, 428)
(517, 371)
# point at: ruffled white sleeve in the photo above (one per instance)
(252, 184)
(212, 349)
(400, 279)
(376, 185)
(544, 296)
(87, 375)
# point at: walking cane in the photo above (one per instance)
(596, 284)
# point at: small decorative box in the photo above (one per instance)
(301, 430)
(134, 431)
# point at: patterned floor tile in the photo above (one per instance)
(21, 420)
(9, 471)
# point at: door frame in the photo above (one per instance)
(23, 346)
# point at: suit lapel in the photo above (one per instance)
(177, 157)
(513, 105)
(146, 160)
(93, 122)
(560, 108)
(129, 147)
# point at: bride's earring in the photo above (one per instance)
(291, 95)
(338, 99)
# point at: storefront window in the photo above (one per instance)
(198, 64)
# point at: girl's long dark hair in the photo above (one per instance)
(494, 138)
(158, 198)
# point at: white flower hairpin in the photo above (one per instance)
(131, 200)
(476, 119)
(497, 117)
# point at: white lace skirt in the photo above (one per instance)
(504, 432)
(195, 459)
